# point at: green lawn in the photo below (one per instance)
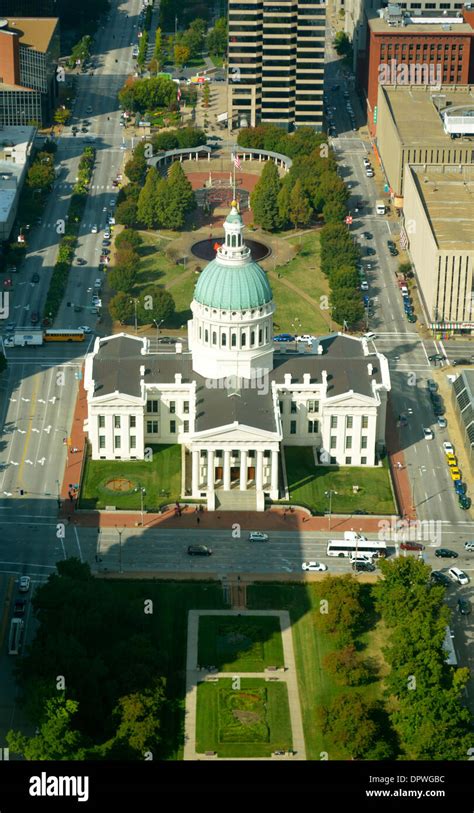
(161, 478)
(250, 721)
(156, 267)
(217, 61)
(316, 686)
(307, 484)
(242, 644)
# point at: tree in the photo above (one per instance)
(40, 176)
(283, 201)
(353, 724)
(129, 238)
(56, 739)
(193, 38)
(264, 198)
(121, 307)
(345, 610)
(342, 44)
(122, 279)
(346, 666)
(127, 259)
(300, 210)
(181, 55)
(155, 303)
(217, 37)
(347, 306)
(136, 169)
(62, 115)
(181, 188)
(167, 140)
(139, 718)
(191, 137)
(206, 93)
(148, 200)
(334, 211)
(158, 52)
(126, 212)
(344, 277)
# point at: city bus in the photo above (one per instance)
(16, 636)
(63, 335)
(355, 544)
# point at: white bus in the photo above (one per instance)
(16, 636)
(355, 544)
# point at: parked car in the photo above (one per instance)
(432, 385)
(436, 357)
(428, 433)
(469, 546)
(368, 235)
(464, 606)
(393, 252)
(439, 578)
(35, 278)
(448, 447)
(464, 502)
(315, 567)
(35, 317)
(452, 460)
(442, 422)
(445, 553)
(365, 567)
(411, 318)
(85, 328)
(411, 546)
(24, 584)
(81, 261)
(283, 337)
(457, 362)
(458, 576)
(455, 473)
(364, 286)
(94, 229)
(199, 550)
(366, 162)
(19, 607)
(371, 252)
(460, 487)
(257, 536)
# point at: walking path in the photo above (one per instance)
(194, 675)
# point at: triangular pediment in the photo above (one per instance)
(238, 433)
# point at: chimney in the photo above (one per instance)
(142, 371)
(324, 377)
(320, 349)
(178, 377)
(370, 369)
(287, 379)
(306, 378)
(179, 347)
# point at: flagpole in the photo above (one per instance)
(233, 177)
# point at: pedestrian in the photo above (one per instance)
(179, 512)
(198, 519)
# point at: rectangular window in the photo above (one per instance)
(281, 407)
(348, 421)
(333, 442)
(117, 421)
(172, 427)
(101, 421)
(313, 426)
(117, 442)
(333, 421)
(133, 442)
(363, 442)
(348, 442)
(152, 406)
(348, 461)
(363, 461)
(101, 441)
(292, 427)
(185, 426)
(152, 427)
(293, 408)
(133, 421)
(186, 407)
(172, 407)
(365, 421)
(313, 406)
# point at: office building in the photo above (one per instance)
(276, 63)
(29, 51)
(16, 144)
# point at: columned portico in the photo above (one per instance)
(243, 469)
(264, 469)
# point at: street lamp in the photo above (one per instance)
(135, 302)
(59, 494)
(142, 493)
(329, 494)
(158, 325)
(120, 532)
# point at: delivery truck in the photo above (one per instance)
(27, 338)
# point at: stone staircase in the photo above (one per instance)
(236, 500)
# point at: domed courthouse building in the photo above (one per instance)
(233, 398)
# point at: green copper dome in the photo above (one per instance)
(233, 287)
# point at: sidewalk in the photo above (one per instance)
(74, 461)
(400, 479)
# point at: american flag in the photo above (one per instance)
(237, 163)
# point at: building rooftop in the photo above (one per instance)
(448, 200)
(15, 147)
(417, 21)
(411, 105)
(35, 32)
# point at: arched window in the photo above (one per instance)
(234, 340)
(252, 338)
(260, 336)
(200, 333)
(243, 340)
(223, 340)
(214, 337)
(206, 336)
(234, 240)
(266, 335)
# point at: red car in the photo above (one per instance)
(412, 546)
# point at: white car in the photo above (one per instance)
(364, 286)
(94, 229)
(370, 173)
(448, 447)
(366, 162)
(458, 576)
(112, 204)
(9, 342)
(111, 221)
(370, 335)
(85, 328)
(469, 546)
(107, 234)
(428, 433)
(96, 300)
(24, 584)
(306, 337)
(258, 536)
(314, 567)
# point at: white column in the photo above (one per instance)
(226, 469)
(210, 469)
(243, 470)
(274, 470)
(259, 472)
(195, 482)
